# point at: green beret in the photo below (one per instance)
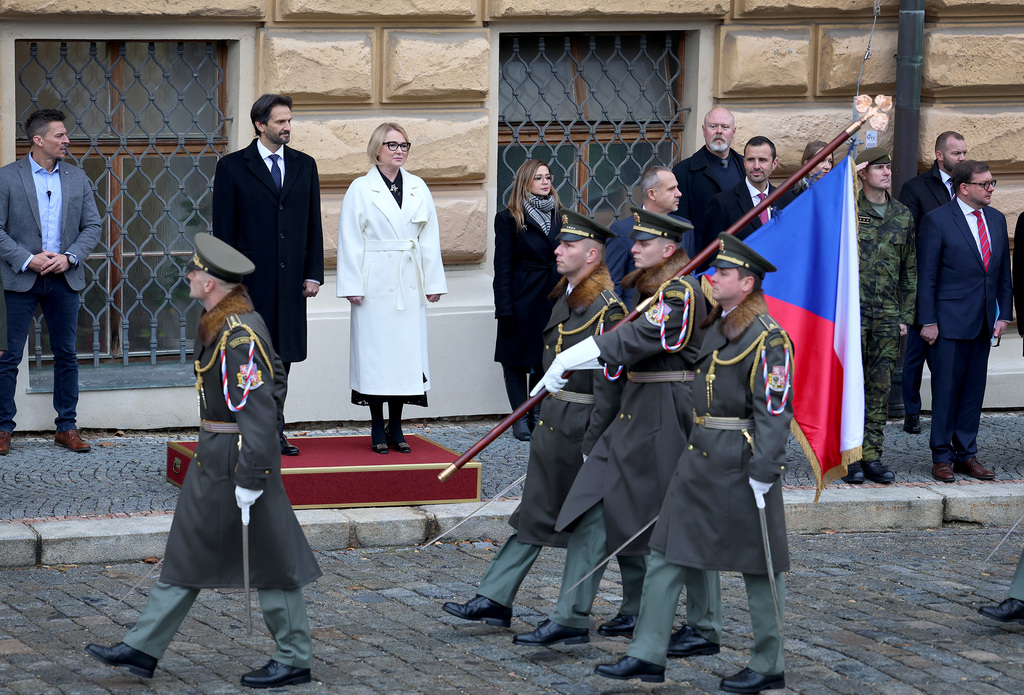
(576, 227)
(874, 155)
(219, 259)
(733, 253)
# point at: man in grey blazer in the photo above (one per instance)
(49, 225)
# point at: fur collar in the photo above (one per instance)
(740, 318)
(211, 323)
(648, 280)
(587, 292)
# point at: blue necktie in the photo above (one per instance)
(275, 170)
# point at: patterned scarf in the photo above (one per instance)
(539, 210)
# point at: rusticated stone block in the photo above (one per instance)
(1009, 200)
(973, 7)
(318, 66)
(841, 54)
(764, 60)
(791, 128)
(993, 133)
(359, 9)
(437, 65)
(253, 9)
(448, 145)
(976, 60)
(803, 7)
(602, 8)
(461, 215)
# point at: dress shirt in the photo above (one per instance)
(48, 198)
(265, 153)
(947, 181)
(755, 195)
(972, 221)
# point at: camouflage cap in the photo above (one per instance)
(651, 225)
(219, 259)
(576, 227)
(874, 155)
(733, 253)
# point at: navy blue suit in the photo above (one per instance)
(961, 296)
(921, 195)
(618, 254)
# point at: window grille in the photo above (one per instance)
(598, 108)
(146, 122)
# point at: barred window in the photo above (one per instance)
(146, 122)
(600, 108)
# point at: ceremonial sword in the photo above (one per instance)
(245, 575)
(616, 551)
(768, 563)
(985, 561)
(149, 574)
(480, 508)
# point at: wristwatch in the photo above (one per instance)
(72, 259)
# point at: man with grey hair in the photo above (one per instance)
(660, 194)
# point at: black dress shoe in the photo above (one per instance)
(288, 449)
(274, 675)
(747, 681)
(876, 472)
(630, 667)
(122, 655)
(854, 474)
(550, 632)
(1009, 611)
(521, 430)
(619, 626)
(912, 423)
(482, 609)
(688, 642)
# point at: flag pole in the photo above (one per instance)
(694, 263)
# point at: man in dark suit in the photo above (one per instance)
(964, 299)
(266, 203)
(921, 195)
(759, 161)
(661, 195)
(1018, 268)
(49, 224)
(714, 168)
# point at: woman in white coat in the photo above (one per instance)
(389, 267)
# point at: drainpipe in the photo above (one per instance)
(909, 49)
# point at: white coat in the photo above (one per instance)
(391, 257)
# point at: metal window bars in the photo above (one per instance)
(147, 124)
(599, 108)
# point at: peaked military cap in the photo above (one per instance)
(733, 253)
(651, 225)
(874, 155)
(219, 259)
(576, 227)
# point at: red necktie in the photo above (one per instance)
(986, 250)
(764, 213)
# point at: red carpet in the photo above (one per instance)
(344, 472)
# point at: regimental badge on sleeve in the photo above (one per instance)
(777, 378)
(658, 313)
(251, 376)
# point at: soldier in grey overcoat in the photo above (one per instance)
(570, 421)
(237, 463)
(742, 400)
(619, 489)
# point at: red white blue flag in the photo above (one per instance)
(815, 297)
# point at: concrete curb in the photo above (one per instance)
(890, 508)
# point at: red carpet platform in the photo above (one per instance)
(343, 472)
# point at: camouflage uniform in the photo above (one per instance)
(888, 288)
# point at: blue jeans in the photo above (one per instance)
(60, 306)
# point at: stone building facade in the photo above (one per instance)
(787, 69)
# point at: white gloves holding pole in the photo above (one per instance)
(245, 497)
(760, 490)
(580, 356)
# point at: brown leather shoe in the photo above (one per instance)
(974, 469)
(5, 443)
(70, 439)
(942, 472)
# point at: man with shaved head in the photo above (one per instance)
(714, 168)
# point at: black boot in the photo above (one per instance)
(122, 655)
(747, 681)
(274, 675)
(630, 667)
(549, 633)
(482, 609)
(854, 474)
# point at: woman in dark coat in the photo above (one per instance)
(524, 275)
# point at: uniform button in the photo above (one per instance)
(690, 447)
(704, 454)
(282, 235)
(540, 422)
(621, 416)
(629, 417)
(782, 468)
(282, 265)
(552, 429)
(698, 371)
(280, 207)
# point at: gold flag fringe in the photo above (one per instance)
(847, 457)
(706, 287)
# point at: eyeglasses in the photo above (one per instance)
(542, 177)
(392, 145)
(987, 185)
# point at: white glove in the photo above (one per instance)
(580, 356)
(244, 497)
(760, 490)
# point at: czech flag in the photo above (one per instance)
(815, 297)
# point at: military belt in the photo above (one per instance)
(656, 377)
(724, 423)
(573, 397)
(220, 427)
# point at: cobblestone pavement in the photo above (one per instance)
(867, 613)
(125, 474)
